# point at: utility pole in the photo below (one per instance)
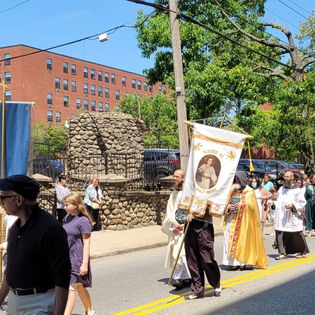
(179, 85)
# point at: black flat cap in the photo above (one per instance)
(23, 185)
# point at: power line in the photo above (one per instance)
(192, 20)
(300, 7)
(247, 22)
(297, 12)
(94, 36)
(284, 20)
(18, 4)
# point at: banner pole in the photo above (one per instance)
(178, 254)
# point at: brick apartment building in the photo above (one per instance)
(60, 85)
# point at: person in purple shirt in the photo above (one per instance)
(78, 225)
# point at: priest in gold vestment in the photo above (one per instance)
(243, 240)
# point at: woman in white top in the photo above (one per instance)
(93, 200)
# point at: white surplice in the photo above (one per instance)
(287, 220)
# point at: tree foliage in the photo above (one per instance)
(49, 139)
(221, 76)
(159, 116)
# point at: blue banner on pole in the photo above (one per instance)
(17, 137)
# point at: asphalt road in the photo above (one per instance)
(136, 283)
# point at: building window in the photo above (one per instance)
(7, 77)
(100, 107)
(117, 95)
(106, 77)
(100, 91)
(93, 105)
(86, 104)
(150, 88)
(113, 78)
(73, 69)
(93, 74)
(164, 89)
(65, 85)
(7, 58)
(57, 83)
(49, 99)
(107, 107)
(85, 72)
(117, 108)
(160, 88)
(139, 85)
(8, 95)
(66, 101)
(86, 88)
(49, 116)
(92, 89)
(99, 75)
(78, 103)
(58, 116)
(49, 64)
(145, 86)
(133, 83)
(73, 86)
(107, 92)
(65, 67)
(123, 81)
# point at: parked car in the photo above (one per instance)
(159, 163)
(259, 166)
(51, 168)
(297, 168)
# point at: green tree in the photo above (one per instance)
(159, 116)
(221, 76)
(49, 139)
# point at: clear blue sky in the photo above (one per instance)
(46, 23)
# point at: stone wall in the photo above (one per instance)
(104, 143)
(109, 146)
(125, 210)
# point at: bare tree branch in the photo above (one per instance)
(273, 74)
(256, 39)
(307, 63)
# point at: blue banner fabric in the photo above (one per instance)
(17, 137)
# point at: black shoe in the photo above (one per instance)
(232, 268)
(178, 284)
(186, 282)
(246, 267)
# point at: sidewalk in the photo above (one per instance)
(109, 243)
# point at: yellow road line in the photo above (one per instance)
(250, 276)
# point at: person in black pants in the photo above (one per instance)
(200, 257)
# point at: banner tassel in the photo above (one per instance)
(251, 166)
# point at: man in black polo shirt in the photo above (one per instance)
(38, 269)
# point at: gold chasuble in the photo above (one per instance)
(246, 242)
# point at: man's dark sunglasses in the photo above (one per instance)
(2, 198)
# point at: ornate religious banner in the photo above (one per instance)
(213, 159)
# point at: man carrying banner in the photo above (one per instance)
(175, 232)
(213, 158)
(243, 241)
(200, 256)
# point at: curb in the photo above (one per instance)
(134, 249)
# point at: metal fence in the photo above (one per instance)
(138, 171)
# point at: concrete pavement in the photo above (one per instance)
(109, 243)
